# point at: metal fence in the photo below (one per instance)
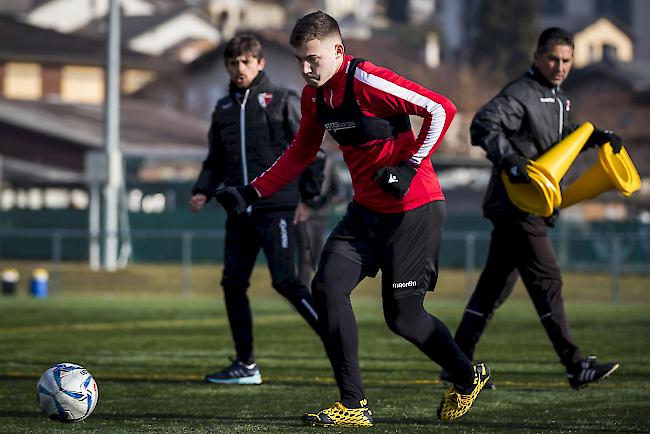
(613, 253)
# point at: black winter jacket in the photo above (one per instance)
(526, 118)
(250, 129)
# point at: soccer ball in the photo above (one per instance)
(67, 392)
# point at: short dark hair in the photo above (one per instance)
(241, 45)
(553, 36)
(316, 25)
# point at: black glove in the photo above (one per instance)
(235, 200)
(515, 167)
(551, 220)
(600, 137)
(396, 180)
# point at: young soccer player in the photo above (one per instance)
(394, 222)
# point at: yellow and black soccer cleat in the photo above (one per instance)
(340, 415)
(457, 402)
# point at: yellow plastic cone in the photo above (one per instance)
(556, 161)
(543, 194)
(612, 171)
(538, 197)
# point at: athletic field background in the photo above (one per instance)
(148, 347)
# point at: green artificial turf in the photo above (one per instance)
(148, 354)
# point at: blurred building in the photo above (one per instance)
(181, 34)
(48, 144)
(627, 16)
(600, 40)
(41, 64)
(70, 15)
(173, 59)
(196, 87)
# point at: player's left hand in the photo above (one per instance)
(600, 137)
(396, 180)
(551, 220)
(198, 201)
(235, 200)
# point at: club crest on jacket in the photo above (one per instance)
(264, 98)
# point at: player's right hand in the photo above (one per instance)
(515, 168)
(235, 200)
(197, 202)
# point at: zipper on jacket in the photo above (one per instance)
(561, 122)
(242, 139)
(242, 135)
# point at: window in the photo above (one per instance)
(83, 84)
(134, 79)
(609, 52)
(23, 81)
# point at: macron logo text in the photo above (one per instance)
(404, 284)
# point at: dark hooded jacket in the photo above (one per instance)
(526, 118)
(250, 129)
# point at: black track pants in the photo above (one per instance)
(520, 246)
(274, 233)
(405, 247)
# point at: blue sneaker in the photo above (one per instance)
(237, 373)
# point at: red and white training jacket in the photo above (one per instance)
(379, 92)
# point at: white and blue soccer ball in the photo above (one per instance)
(67, 392)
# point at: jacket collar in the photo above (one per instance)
(260, 81)
(537, 75)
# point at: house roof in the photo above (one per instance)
(634, 74)
(23, 42)
(576, 24)
(136, 25)
(146, 129)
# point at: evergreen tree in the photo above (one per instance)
(504, 37)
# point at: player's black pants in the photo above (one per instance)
(405, 247)
(519, 246)
(274, 233)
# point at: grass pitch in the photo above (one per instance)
(149, 354)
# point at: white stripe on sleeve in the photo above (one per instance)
(437, 111)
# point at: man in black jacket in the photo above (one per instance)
(251, 127)
(523, 121)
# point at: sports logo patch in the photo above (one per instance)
(568, 105)
(264, 98)
(408, 284)
(333, 127)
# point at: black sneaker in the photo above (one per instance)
(446, 381)
(237, 373)
(589, 371)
